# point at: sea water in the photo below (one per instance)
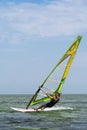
(69, 114)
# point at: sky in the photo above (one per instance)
(34, 34)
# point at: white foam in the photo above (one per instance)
(58, 108)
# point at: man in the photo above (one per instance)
(53, 100)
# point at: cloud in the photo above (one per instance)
(24, 21)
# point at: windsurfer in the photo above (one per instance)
(53, 100)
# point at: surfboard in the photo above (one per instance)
(46, 109)
(23, 109)
(33, 110)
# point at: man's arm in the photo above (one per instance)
(48, 95)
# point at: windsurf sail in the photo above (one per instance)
(56, 78)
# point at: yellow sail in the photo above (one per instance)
(69, 56)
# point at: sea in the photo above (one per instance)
(70, 114)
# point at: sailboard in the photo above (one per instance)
(46, 109)
(56, 78)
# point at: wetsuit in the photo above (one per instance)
(51, 103)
